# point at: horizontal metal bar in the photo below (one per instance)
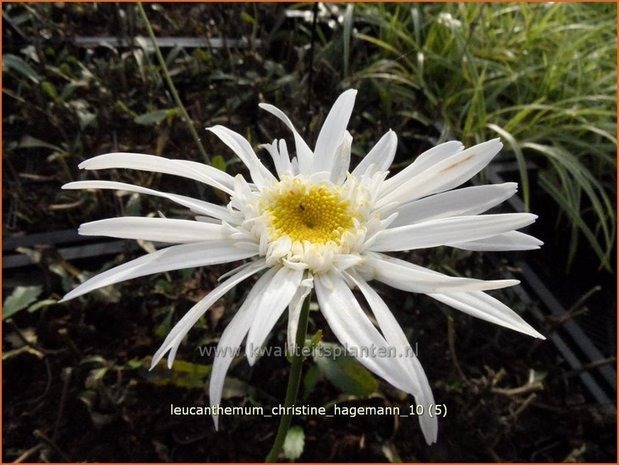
(167, 42)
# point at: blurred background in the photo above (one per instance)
(83, 79)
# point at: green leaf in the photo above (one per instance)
(294, 443)
(14, 63)
(218, 162)
(21, 298)
(248, 18)
(310, 380)
(154, 117)
(49, 89)
(343, 371)
(29, 142)
(41, 304)
(183, 374)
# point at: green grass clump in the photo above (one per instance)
(540, 76)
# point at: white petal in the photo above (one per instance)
(176, 335)
(171, 258)
(481, 305)
(414, 278)
(380, 157)
(458, 202)
(448, 231)
(187, 169)
(304, 153)
(420, 387)
(513, 240)
(239, 145)
(231, 340)
(444, 175)
(294, 309)
(341, 162)
(424, 161)
(333, 131)
(286, 164)
(195, 205)
(354, 330)
(273, 301)
(281, 159)
(154, 229)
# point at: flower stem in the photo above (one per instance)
(166, 75)
(294, 380)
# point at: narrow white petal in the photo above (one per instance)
(485, 307)
(333, 131)
(273, 301)
(151, 163)
(448, 231)
(171, 258)
(281, 159)
(420, 386)
(513, 240)
(240, 146)
(341, 162)
(414, 278)
(354, 330)
(304, 153)
(154, 229)
(444, 175)
(380, 156)
(424, 161)
(231, 339)
(480, 305)
(286, 164)
(180, 330)
(458, 202)
(195, 205)
(294, 309)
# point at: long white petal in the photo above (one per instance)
(513, 240)
(195, 205)
(180, 330)
(304, 153)
(286, 164)
(154, 229)
(485, 307)
(448, 231)
(414, 278)
(380, 156)
(151, 163)
(458, 202)
(341, 162)
(333, 130)
(480, 305)
(294, 310)
(273, 301)
(281, 159)
(420, 387)
(354, 330)
(424, 161)
(239, 145)
(231, 339)
(444, 175)
(171, 258)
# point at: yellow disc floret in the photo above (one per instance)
(313, 213)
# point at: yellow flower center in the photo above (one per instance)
(309, 213)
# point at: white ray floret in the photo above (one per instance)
(317, 224)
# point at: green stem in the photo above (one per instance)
(294, 380)
(168, 79)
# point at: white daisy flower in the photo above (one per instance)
(316, 224)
